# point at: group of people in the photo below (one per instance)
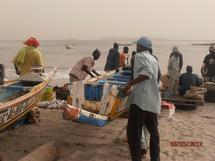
(144, 101)
(180, 83)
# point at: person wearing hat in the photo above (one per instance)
(113, 58)
(144, 101)
(208, 68)
(28, 57)
(84, 67)
(188, 79)
(174, 68)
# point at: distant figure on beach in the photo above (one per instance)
(132, 63)
(188, 79)
(28, 57)
(113, 58)
(174, 68)
(144, 101)
(124, 57)
(208, 68)
(84, 67)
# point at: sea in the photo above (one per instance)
(55, 53)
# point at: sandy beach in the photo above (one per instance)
(83, 142)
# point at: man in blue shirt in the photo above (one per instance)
(144, 101)
(188, 79)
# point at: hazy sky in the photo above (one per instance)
(94, 19)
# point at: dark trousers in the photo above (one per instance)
(136, 119)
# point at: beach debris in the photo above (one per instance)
(54, 104)
(47, 94)
(165, 82)
(34, 115)
(62, 92)
(167, 110)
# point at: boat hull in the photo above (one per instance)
(14, 110)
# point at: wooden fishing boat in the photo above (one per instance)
(98, 101)
(18, 97)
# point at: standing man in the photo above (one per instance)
(174, 67)
(113, 58)
(144, 101)
(84, 67)
(124, 56)
(208, 68)
(28, 57)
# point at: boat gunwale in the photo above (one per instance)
(34, 91)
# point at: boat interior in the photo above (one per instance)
(15, 90)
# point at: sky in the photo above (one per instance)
(96, 19)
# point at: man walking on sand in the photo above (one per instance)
(144, 101)
(174, 68)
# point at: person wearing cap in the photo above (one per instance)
(174, 68)
(208, 68)
(124, 56)
(28, 57)
(188, 79)
(113, 58)
(144, 101)
(84, 67)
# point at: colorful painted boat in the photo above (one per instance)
(96, 109)
(18, 97)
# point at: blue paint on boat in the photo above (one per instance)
(92, 121)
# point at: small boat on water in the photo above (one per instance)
(97, 102)
(69, 46)
(18, 97)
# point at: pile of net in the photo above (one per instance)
(196, 93)
(209, 86)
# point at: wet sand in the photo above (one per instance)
(83, 142)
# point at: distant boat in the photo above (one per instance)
(203, 44)
(69, 46)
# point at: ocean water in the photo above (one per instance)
(56, 54)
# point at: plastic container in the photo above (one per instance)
(62, 93)
(93, 92)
